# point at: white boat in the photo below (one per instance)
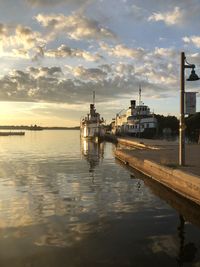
(92, 126)
(136, 121)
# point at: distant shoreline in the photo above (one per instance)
(39, 127)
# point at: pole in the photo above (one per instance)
(182, 113)
(140, 103)
(93, 97)
(140, 95)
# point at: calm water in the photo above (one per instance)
(66, 203)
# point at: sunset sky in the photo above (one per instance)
(54, 53)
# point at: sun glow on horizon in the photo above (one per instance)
(27, 113)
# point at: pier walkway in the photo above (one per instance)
(164, 152)
(158, 159)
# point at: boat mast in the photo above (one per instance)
(140, 93)
(93, 97)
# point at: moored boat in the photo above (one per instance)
(136, 121)
(92, 126)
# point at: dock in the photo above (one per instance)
(158, 159)
(12, 133)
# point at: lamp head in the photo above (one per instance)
(193, 76)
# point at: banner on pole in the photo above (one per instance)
(190, 103)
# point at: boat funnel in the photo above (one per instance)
(92, 110)
(133, 105)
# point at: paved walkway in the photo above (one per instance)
(167, 154)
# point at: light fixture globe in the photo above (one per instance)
(193, 76)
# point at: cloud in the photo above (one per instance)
(22, 42)
(65, 51)
(19, 41)
(158, 75)
(90, 74)
(169, 18)
(20, 53)
(171, 12)
(34, 84)
(39, 52)
(122, 51)
(103, 73)
(74, 85)
(3, 30)
(25, 37)
(39, 3)
(165, 52)
(48, 85)
(42, 3)
(75, 26)
(44, 71)
(195, 40)
(160, 67)
(194, 58)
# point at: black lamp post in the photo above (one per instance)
(193, 77)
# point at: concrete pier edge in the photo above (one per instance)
(185, 184)
(131, 143)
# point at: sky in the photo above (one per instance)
(54, 54)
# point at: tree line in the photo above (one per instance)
(170, 124)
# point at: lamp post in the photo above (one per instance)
(193, 77)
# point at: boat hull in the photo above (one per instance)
(92, 131)
(147, 133)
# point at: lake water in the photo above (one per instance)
(66, 203)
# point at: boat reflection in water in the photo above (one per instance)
(93, 152)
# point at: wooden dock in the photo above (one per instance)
(12, 133)
(159, 160)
